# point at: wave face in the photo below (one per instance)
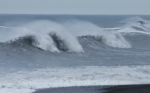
(40, 33)
(45, 51)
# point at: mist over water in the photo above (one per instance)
(42, 51)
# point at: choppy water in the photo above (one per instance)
(42, 51)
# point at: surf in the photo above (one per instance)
(53, 37)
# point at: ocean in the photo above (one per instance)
(54, 51)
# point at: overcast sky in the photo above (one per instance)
(75, 7)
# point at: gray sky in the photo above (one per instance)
(75, 7)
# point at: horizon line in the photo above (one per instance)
(71, 14)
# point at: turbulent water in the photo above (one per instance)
(42, 51)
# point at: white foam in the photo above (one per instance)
(133, 31)
(116, 40)
(28, 81)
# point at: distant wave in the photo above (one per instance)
(5, 27)
(136, 24)
(130, 30)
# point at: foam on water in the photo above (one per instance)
(133, 31)
(28, 81)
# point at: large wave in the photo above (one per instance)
(52, 36)
(62, 36)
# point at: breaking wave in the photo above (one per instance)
(136, 25)
(57, 37)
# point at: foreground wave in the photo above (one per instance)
(28, 81)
